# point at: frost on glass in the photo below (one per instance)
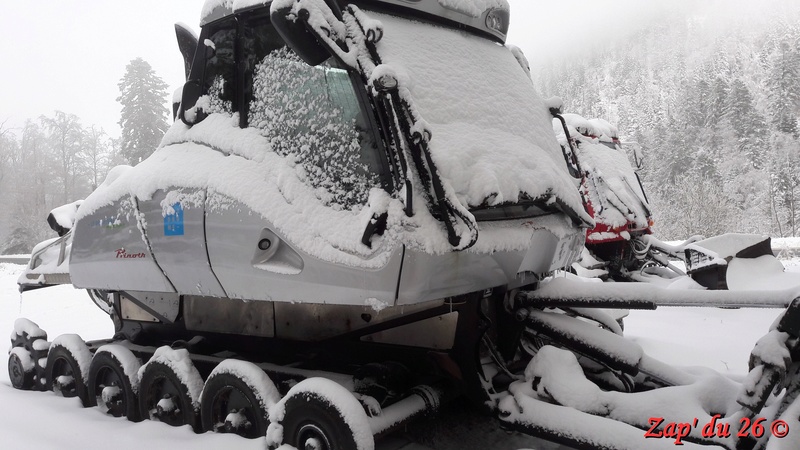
(310, 114)
(217, 96)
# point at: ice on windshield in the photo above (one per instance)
(311, 115)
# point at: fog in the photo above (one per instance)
(69, 55)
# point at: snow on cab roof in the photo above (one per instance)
(490, 16)
(474, 8)
(217, 9)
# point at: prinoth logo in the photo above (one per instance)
(122, 253)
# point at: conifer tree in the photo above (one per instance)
(65, 132)
(748, 124)
(784, 91)
(144, 112)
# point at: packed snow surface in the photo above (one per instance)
(762, 273)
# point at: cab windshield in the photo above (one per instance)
(491, 135)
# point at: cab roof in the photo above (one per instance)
(214, 10)
(487, 16)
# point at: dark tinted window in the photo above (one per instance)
(219, 75)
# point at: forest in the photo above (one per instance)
(55, 159)
(709, 94)
(713, 104)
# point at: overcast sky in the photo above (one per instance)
(69, 55)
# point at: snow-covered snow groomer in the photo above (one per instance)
(357, 188)
(614, 196)
(621, 245)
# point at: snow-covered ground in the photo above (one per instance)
(42, 420)
(717, 338)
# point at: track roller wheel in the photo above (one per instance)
(27, 355)
(320, 414)
(169, 390)
(21, 369)
(67, 369)
(236, 399)
(114, 381)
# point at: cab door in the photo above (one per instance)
(175, 225)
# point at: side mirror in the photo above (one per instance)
(188, 111)
(176, 103)
(187, 43)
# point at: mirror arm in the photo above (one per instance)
(189, 96)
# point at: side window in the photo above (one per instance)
(312, 115)
(220, 69)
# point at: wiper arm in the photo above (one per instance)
(439, 205)
(571, 156)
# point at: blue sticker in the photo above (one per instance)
(173, 223)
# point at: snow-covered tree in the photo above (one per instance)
(719, 101)
(785, 174)
(32, 174)
(33, 161)
(7, 149)
(691, 206)
(784, 89)
(714, 104)
(748, 124)
(65, 134)
(143, 96)
(95, 154)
